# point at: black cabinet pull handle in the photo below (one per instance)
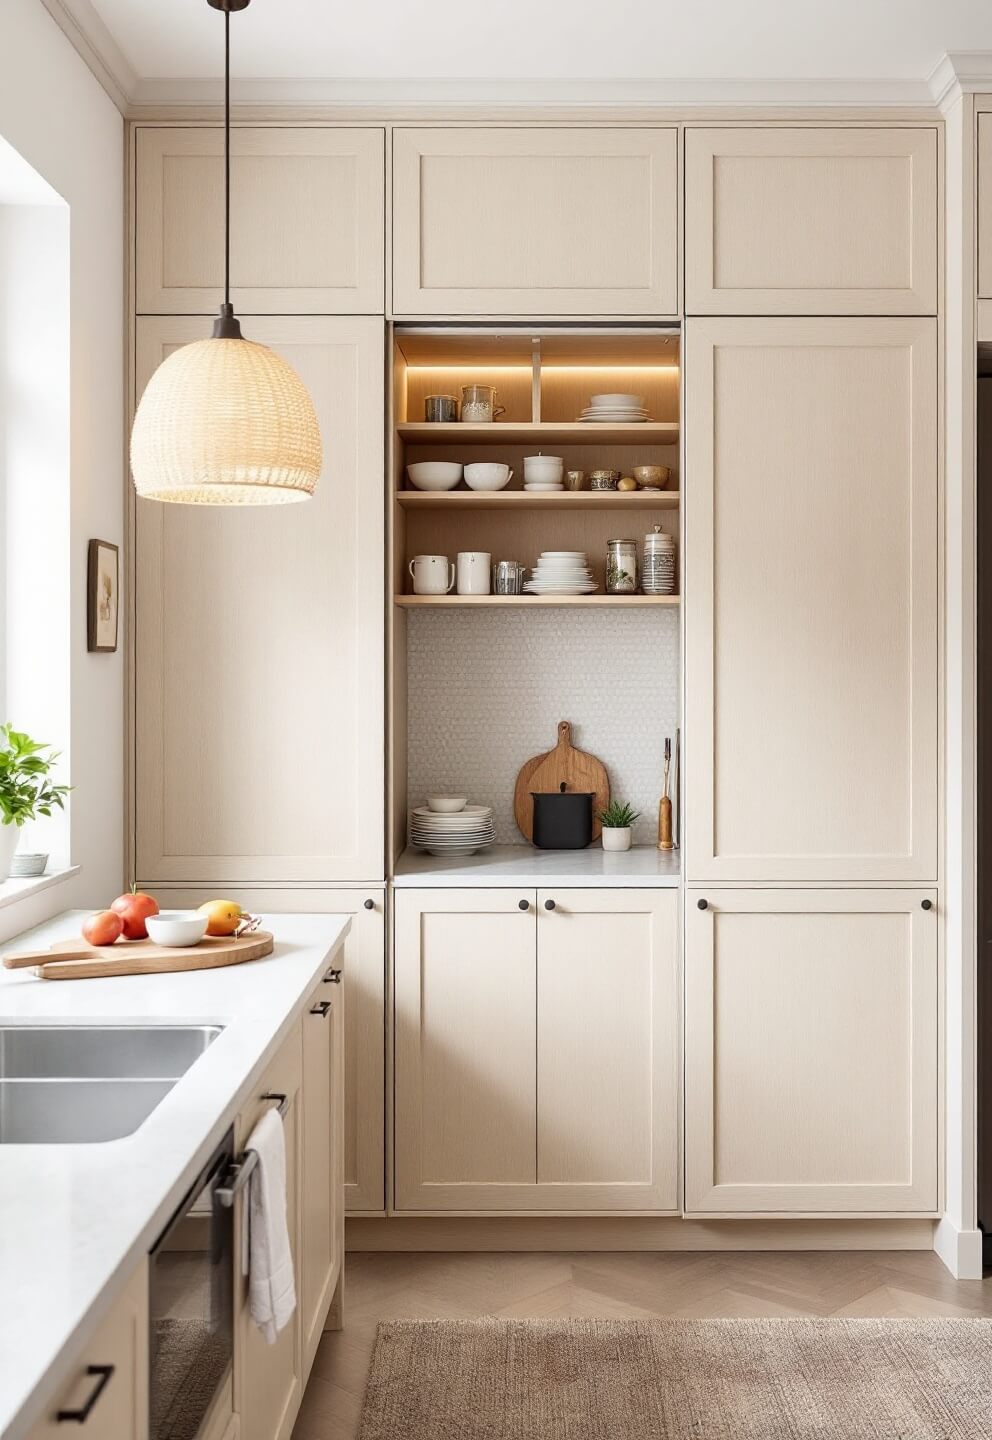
(703, 904)
(101, 1374)
(333, 977)
(321, 1009)
(523, 904)
(926, 904)
(370, 904)
(549, 904)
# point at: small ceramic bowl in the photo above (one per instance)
(446, 804)
(434, 474)
(487, 475)
(654, 477)
(175, 928)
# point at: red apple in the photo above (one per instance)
(134, 909)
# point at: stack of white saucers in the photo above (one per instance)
(616, 410)
(561, 572)
(463, 833)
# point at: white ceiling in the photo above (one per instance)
(514, 40)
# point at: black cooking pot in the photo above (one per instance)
(563, 819)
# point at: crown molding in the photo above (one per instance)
(960, 72)
(96, 46)
(584, 94)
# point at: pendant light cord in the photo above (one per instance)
(227, 157)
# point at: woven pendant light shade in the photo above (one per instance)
(225, 422)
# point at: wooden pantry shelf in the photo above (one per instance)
(652, 432)
(499, 601)
(470, 500)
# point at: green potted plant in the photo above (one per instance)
(26, 789)
(616, 821)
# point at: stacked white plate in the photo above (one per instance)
(539, 487)
(616, 410)
(463, 833)
(561, 572)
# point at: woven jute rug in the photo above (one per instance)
(676, 1379)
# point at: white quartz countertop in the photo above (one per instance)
(75, 1218)
(642, 868)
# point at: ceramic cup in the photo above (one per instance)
(473, 572)
(432, 574)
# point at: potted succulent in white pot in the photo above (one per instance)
(26, 789)
(616, 821)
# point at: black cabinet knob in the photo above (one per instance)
(926, 904)
(370, 904)
(523, 904)
(549, 904)
(703, 904)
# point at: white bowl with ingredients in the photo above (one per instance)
(487, 475)
(434, 474)
(176, 928)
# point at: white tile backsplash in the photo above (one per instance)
(487, 688)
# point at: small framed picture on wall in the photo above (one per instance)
(103, 582)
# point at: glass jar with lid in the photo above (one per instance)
(621, 567)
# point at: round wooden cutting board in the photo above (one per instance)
(545, 774)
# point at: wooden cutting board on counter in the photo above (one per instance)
(545, 774)
(77, 960)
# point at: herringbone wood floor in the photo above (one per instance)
(638, 1286)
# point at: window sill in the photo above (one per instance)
(13, 890)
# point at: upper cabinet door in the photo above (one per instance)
(307, 221)
(535, 222)
(811, 221)
(985, 206)
(811, 599)
(258, 688)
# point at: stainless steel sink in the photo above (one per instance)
(79, 1084)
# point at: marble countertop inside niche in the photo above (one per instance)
(643, 867)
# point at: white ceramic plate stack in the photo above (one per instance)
(616, 410)
(561, 572)
(462, 833)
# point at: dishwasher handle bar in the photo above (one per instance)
(241, 1170)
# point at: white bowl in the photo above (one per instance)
(175, 928)
(543, 467)
(487, 475)
(434, 474)
(446, 804)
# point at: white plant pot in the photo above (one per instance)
(616, 838)
(9, 836)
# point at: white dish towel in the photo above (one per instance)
(267, 1259)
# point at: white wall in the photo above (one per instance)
(55, 114)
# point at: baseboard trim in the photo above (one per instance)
(960, 1250)
(554, 1233)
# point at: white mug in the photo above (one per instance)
(473, 572)
(432, 574)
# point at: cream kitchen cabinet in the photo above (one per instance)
(269, 1379)
(106, 1396)
(321, 1161)
(307, 221)
(536, 1050)
(363, 967)
(526, 221)
(811, 670)
(985, 205)
(811, 1052)
(258, 643)
(812, 221)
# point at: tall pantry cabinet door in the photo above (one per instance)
(258, 685)
(985, 206)
(307, 220)
(811, 612)
(607, 1049)
(552, 221)
(465, 1073)
(817, 220)
(811, 1021)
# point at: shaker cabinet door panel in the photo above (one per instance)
(307, 221)
(811, 612)
(811, 1052)
(811, 221)
(465, 1076)
(607, 1049)
(535, 221)
(258, 694)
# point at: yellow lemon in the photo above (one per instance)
(223, 916)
